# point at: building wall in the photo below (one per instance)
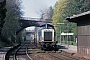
(83, 50)
(83, 45)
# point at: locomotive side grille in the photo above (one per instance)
(47, 36)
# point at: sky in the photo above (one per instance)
(32, 8)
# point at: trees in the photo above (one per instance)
(2, 17)
(2, 14)
(67, 8)
(59, 15)
(11, 20)
(47, 13)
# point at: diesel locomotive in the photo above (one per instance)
(46, 37)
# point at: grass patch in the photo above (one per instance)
(68, 42)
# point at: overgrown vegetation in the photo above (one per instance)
(67, 8)
(2, 17)
(10, 26)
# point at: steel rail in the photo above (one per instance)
(28, 54)
(10, 52)
(16, 53)
(62, 57)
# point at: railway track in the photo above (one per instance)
(28, 51)
(52, 55)
(20, 52)
(60, 56)
(66, 56)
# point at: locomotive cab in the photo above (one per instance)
(47, 37)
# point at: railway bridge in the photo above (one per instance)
(27, 22)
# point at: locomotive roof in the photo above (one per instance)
(48, 25)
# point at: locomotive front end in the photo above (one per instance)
(48, 35)
(48, 39)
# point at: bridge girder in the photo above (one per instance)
(27, 23)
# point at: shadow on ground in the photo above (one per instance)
(62, 47)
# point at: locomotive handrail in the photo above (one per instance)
(10, 52)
